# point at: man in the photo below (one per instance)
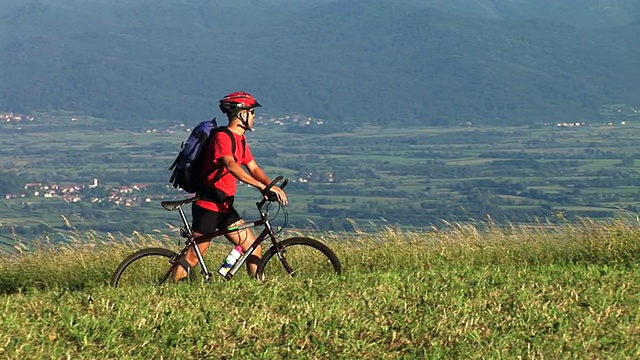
(223, 168)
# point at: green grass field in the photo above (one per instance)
(466, 292)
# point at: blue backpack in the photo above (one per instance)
(187, 167)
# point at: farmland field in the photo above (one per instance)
(409, 177)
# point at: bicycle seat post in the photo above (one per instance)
(184, 221)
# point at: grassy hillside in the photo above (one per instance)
(470, 292)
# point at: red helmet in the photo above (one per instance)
(237, 101)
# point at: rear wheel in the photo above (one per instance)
(151, 266)
(300, 257)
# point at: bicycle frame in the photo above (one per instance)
(194, 241)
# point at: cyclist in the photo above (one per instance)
(223, 169)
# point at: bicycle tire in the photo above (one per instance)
(150, 266)
(305, 257)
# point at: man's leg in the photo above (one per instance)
(244, 238)
(204, 222)
(192, 258)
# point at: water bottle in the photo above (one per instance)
(231, 260)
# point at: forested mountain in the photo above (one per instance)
(409, 61)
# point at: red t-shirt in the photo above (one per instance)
(221, 146)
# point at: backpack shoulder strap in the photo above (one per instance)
(233, 139)
(225, 130)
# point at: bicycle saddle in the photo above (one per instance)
(172, 205)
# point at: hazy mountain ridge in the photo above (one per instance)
(580, 13)
(352, 60)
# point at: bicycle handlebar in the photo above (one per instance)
(273, 182)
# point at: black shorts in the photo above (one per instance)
(206, 221)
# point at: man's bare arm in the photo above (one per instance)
(259, 174)
(236, 170)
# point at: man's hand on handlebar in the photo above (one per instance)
(282, 196)
(276, 194)
(272, 193)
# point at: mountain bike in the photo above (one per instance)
(295, 256)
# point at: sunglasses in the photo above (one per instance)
(252, 112)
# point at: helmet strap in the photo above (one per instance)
(244, 122)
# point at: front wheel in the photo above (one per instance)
(151, 266)
(299, 257)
